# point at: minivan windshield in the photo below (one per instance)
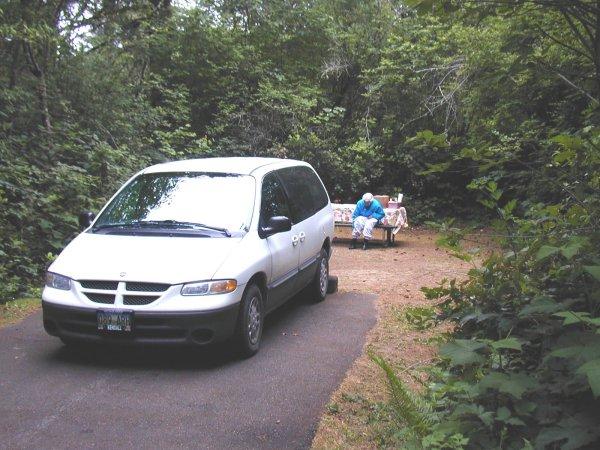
(214, 203)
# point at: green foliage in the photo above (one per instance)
(462, 352)
(421, 318)
(522, 368)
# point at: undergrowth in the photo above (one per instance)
(522, 368)
(15, 310)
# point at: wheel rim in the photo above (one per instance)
(323, 277)
(254, 320)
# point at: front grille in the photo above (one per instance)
(138, 299)
(100, 298)
(98, 284)
(130, 286)
(147, 287)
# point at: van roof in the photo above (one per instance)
(237, 165)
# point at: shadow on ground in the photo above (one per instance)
(171, 358)
(374, 244)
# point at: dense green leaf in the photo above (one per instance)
(571, 317)
(515, 384)
(571, 249)
(572, 432)
(508, 343)
(463, 352)
(503, 414)
(540, 305)
(591, 370)
(545, 251)
(593, 271)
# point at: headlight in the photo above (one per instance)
(56, 281)
(209, 287)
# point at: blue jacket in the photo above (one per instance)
(375, 210)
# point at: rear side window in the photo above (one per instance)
(305, 191)
(273, 201)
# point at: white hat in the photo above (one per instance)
(368, 197)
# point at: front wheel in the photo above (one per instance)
(250, 322)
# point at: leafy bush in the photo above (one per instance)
(522, 369)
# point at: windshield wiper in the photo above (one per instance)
(160, 223)
(115, 225)
(168, 223)
(210, 227)
(178, 224)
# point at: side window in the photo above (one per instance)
(305, 191)
(301, 201)
(273, 201)
(317, 190)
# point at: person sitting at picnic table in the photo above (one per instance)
(366, 215)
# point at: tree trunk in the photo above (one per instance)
(14, 67)
(42, 90)
(43, 100)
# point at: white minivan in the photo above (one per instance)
(193, 252)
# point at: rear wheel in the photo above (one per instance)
(319, 286)
(250, 322)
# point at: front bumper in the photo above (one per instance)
(154, 328)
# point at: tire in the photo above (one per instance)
(250, 322)
(319, 286)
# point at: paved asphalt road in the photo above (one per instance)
(54, 397)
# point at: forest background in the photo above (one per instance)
(486, 111)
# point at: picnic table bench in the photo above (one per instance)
(390, 238)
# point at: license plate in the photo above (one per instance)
(115, 320)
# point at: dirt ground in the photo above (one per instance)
(396, 274)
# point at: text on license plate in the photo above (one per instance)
(115, 320)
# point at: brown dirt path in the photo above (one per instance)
(396, 275)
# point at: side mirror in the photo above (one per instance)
(277, 224)
(85, 219)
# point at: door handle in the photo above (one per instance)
(295, 240)
(302, 236)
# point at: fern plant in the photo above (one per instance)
(409, 409)
(419, 425)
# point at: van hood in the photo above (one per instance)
(158, 259)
